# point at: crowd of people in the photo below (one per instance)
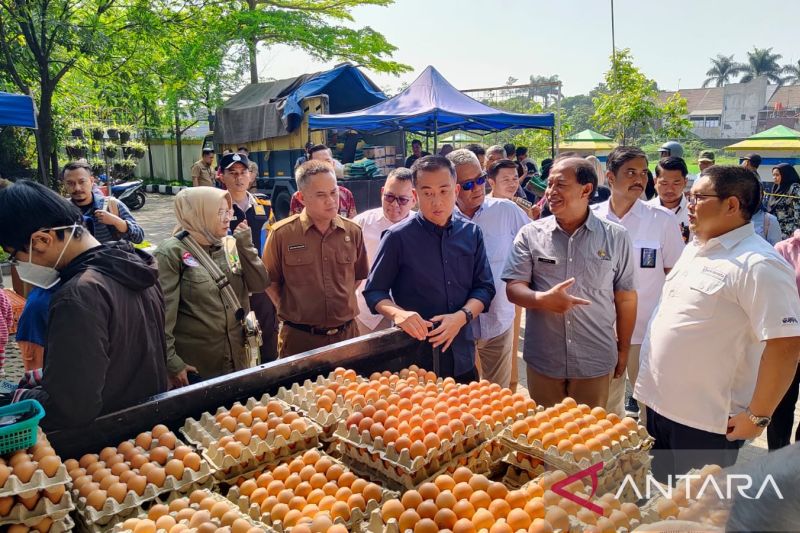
(659, 295)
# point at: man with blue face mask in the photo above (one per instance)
(117, 357)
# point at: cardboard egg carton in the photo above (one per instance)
(19, 514)
(112, 508)
(522, 461)
(516, 477)
(61, 525)
(38, 481)
(303, 398)
(254, 511)
(712, 514)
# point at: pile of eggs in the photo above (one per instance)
(42, 526)
(242, 424)
(23, 464)
(130, 467)
(468, 503)
(310, 490)
(199, 512)
(695, 501)
(574, 428)
(407, 414)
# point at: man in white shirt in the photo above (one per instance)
(724, 342)
(671, 185)
(398, 197)
(657, 245)
(499, 220)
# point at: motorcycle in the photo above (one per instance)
(130, 193)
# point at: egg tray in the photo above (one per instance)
(528, 463)
(650, 508)
(254, 511)
(304, 400)
(516, 477)
(632, 443)
(61, 525)
(38, 481)
(112, 508)
(19, 514)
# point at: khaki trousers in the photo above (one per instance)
(515, 349)
(293, 341)
(547, 391)
(495, 357)
(616, 392)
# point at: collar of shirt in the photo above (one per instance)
(306, 223)
(592, 223)
(433, 228)
(603, 210)
(732, 238)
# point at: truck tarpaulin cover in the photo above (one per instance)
(429, 105)
(266, 110)
(17, 110)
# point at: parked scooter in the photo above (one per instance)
(130, 193)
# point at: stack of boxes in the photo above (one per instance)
(385, 157)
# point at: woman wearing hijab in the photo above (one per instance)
(204, 335)
(784, 202)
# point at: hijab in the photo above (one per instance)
(197, 211)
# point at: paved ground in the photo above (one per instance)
(158, 220)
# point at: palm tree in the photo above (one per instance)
(723, 68)
(793, 71)
(762, 62)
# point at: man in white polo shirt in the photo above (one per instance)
(671, 185)
(499, 220)
(657, 245)
(724, 342)
(398, 197)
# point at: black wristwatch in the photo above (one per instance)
(468, 313)
(759, 421)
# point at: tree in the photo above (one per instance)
(723, 68)
(546, 88)
(793, 71)
(762, 62)
(309, 26)
(629, 108)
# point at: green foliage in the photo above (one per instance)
(762, 62)
(723, 68)
(793, 72)
(628, 107)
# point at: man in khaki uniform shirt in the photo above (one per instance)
(315, 260)
(202, 172)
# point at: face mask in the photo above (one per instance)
(42, 276)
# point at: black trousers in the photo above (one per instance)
(268, 320)
(779, 432)
(679, 448)
(447, 368)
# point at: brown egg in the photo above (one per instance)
(97, 499)
(6, 503)
(18, 528)
(240, 525)
(100, 474)
(88, 459)
(199, 517)
(120, 468)
(197, 496)
(174, 468)
(229, 517)
(165, 522)
(24, 471)
(137, 484)
(19, 457)
(118, 491)
(159, 430)
(177, 505)
(192, 461)
(156, 476)
(4, 473)
(184, 514)
(143, 440)
(181, 451)
(115, 459)
(44, 525)
(157, 511)
(145, 526)
(138, 460)
(159, 454)
(108, 481)
(55, 493)
(88, 488)
(168, 440)
(29, 502)
(208, 527)
(125, 448)
(44, 451)
(219, 509)
(94, 467)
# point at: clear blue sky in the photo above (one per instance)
(481, 43)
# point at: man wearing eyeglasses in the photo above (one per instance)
(657, 245)
(398, 197)
(724, 342)
(499, 220)
(431, 276)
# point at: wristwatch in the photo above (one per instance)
(760, 421)
(468, 313)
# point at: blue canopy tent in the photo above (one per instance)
(17, 110)
(431, 105)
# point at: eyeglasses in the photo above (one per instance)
(225, 214)
(692, 198)
(401, 200)
(470, 184)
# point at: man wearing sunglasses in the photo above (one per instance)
(431, 276)
(398, 197)
(499, 220)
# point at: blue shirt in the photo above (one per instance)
(767, 226)
(433, 270)
(32, 325)
(104, 232)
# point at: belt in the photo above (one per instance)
(319, 331)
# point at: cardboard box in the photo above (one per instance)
(369, 153)
(391, 150)
(380, 151)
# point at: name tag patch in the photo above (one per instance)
(293, 247)
(189, 260)
(547, 260)
(648, 258)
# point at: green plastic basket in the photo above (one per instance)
(21, 435)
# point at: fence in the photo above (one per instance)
(165, 158)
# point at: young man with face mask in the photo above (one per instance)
(106, 348)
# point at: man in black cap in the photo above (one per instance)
(705, 160)
(751, 162)
(202, 171)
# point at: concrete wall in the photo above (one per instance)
(741, 104)
(165, 157)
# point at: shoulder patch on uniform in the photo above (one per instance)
(263, 202)
(285, 222)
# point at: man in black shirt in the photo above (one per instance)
(416, 153)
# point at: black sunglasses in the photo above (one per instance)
(470, 184)
(401, 200)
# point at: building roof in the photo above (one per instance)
(777, 138)
(588, 135)
(788, 96)
(706, 101)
